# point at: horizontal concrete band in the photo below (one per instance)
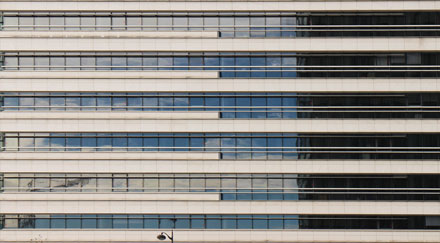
(109, 155)
(108, 34)
(136, 82)
(219, 44)
(218, 236)
(48, 75)
(296, 6)
(114, 115)
(223, 125)
(224, 207)
(110, 196)
(71, 163)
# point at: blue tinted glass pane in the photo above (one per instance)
(181, 61)
(150, 101)
(291, 224)
(166, 223)
(151, 222)
(73, 223)
(73, 142)
(57, 222)
(42, 223)
(104, 144)
(57, 144)
(197, 223)
(166, 144)
(104, 222)
(213, 223)
(182, 224)
(105, 102)
(166, 63)
(244, 223)
(229, 222)
(120, 221)
(135, 222)
(275, 222)
(197, 144)
(89, 223)
(134, 101)
(151, 142)
(181, 142)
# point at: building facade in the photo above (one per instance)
(222, 121)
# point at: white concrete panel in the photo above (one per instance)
(138, 82)
(224, 207)
(117, 196)
(222, 125)
(209, 5)
(113, 163)
(221, 44)
(217, 236)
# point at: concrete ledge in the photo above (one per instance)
(341, 44)
(223, 125)
(218, 236)
(120, 163)
(224, 207)
(133, 82)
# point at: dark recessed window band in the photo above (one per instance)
(215, 221)
(237, 105)
(238, 145)
(235, 186)
(234, 24)
(235, 64)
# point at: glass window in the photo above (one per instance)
(118, 23)
(26, 63)
(11, 63)
(73, 222)
(88, 23)
(134, 63)
(103, 23)
(120, 221)
(196, 23)
(180, 23)
(242, 31)
(10, 23)
(72, 23)
(57, 63)
(149, 23)
(134, 23)
(26, 23)
(244, 221)
(57, 23)
(73, 63)
(103, 63)
(151, 222)
(89, 221)
(165, 23)
(58, 221)
(41, 63)
(41, 23)
(104, 221)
